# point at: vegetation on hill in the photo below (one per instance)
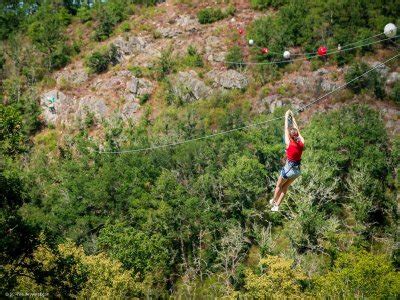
(192, 219)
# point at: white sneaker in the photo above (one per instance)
(271, 201)
(275, 208)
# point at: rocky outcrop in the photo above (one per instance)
(139, 86)
(382, 69)
(188, 23)
(188, 87)
(129, 110)
(392, 78)
(128, 45)
(55, 106)
(228, 79)
(68, 76)
(169, 32)
(91, 105)
(272, 102)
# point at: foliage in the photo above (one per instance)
(165, 64)
(45, 28)
(210, 15)
(11, 137)
(371, 81)
(275, 277)
(234, 58)
(312, 23)
(193, 58)
(99, 61)
(83, 275)
(263, 4)
(360, 274)
(396, 92)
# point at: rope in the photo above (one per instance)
(315, 53)
(304, 58)
(252, 124)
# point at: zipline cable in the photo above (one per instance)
(252, 124)
(305, 58)
(347, 83)
(344, 47)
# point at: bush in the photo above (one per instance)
(263, 4)
(371, 81)
(60, 57)
(165, 64)
(234, 58)
(193, 59)
(84, 14)
(210, 15)
(396, 92)
(144, 98)
(361, 275)
(105, 27)
(99, 61)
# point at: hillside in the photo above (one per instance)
(131, 165)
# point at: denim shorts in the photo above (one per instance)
(291, 170)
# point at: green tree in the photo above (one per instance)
(360, 274)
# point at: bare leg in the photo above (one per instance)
(278, 188)
(284, 190)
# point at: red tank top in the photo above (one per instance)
(294, 151)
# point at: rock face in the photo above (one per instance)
(169, 32)
(187, 23)
(304, 84)
(91, 105)
(229, 79)
(392, 78)
(189, 87)
(381, 68)
(55, 106)
(328, 86)
(129, 45)
(67, 76)
(139, 86)
(129, 110)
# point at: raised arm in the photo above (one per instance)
(287, 139)
(298, 130)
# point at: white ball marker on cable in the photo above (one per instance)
(390, 30)
(286, 54)
(251, 42)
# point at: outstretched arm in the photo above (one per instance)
(287, 139)
(298, 130)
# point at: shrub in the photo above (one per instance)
(84, 14)
(126, 27)
(361, 275)
(144, 98)
(105, 27)
(234, 58)
(263, 4)
(165, 63)
(60, 57)
(193, 59)
(396, 92)
(210, 15)
(99, 61)
(371, 81)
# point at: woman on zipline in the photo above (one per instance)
(294, 148)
